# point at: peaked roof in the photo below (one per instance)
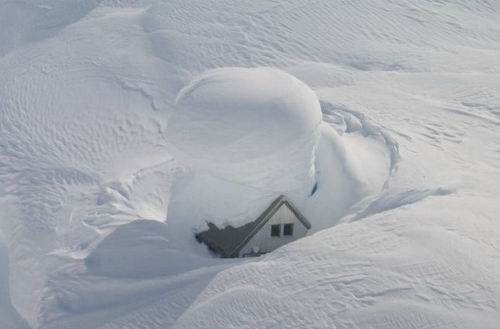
(230, 240)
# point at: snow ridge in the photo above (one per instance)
(405, 166)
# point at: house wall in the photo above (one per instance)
(263, 239)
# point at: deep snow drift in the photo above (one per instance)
(9, 317)
(248, 126)
(247, 135)
(405, 168)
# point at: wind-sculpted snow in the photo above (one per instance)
(254, 132)
(140, 249)
(409, 144)
(9, 317)
(25, 21)
(247, 135)
(245, 125)
(354, 276)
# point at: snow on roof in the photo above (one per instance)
(246, 125)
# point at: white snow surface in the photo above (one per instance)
(248, 135)
(245, 125)
(103, 176)
(9, 317)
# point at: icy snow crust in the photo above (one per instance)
(406, 162)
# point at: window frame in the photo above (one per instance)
(274, 233)
(285, 231)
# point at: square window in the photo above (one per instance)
(276, 230)
(288, 229)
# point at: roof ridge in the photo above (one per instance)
(267, 214)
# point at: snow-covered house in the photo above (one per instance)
(279, 224)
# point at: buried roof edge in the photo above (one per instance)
(266, 215)
(297, 213)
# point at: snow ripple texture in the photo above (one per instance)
(407, 164)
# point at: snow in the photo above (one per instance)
(248, 135)
(244, 125)
(99, 207)
(140, 249)
(355, 276)
(9, 317)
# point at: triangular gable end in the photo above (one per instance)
(297, 213)
(266, 216)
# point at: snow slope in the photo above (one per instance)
(9, 317)
(408, 164)
(214, 126)
(247, 135)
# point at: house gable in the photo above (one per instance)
(265, 240)
(230, 241)
(276, 205)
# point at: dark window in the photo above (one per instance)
(288, 229)
(276, 230)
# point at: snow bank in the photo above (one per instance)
(141, 249)
(400, 269)
(255, 126)
(339, 187)
(247, 135)
(27, 21)
(9, 318)
(86, 90)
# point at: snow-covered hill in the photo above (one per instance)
(406, 233)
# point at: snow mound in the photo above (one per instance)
(140, 249)
(411, 109)
(9, 317)
(247, 125)
(249, 135)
